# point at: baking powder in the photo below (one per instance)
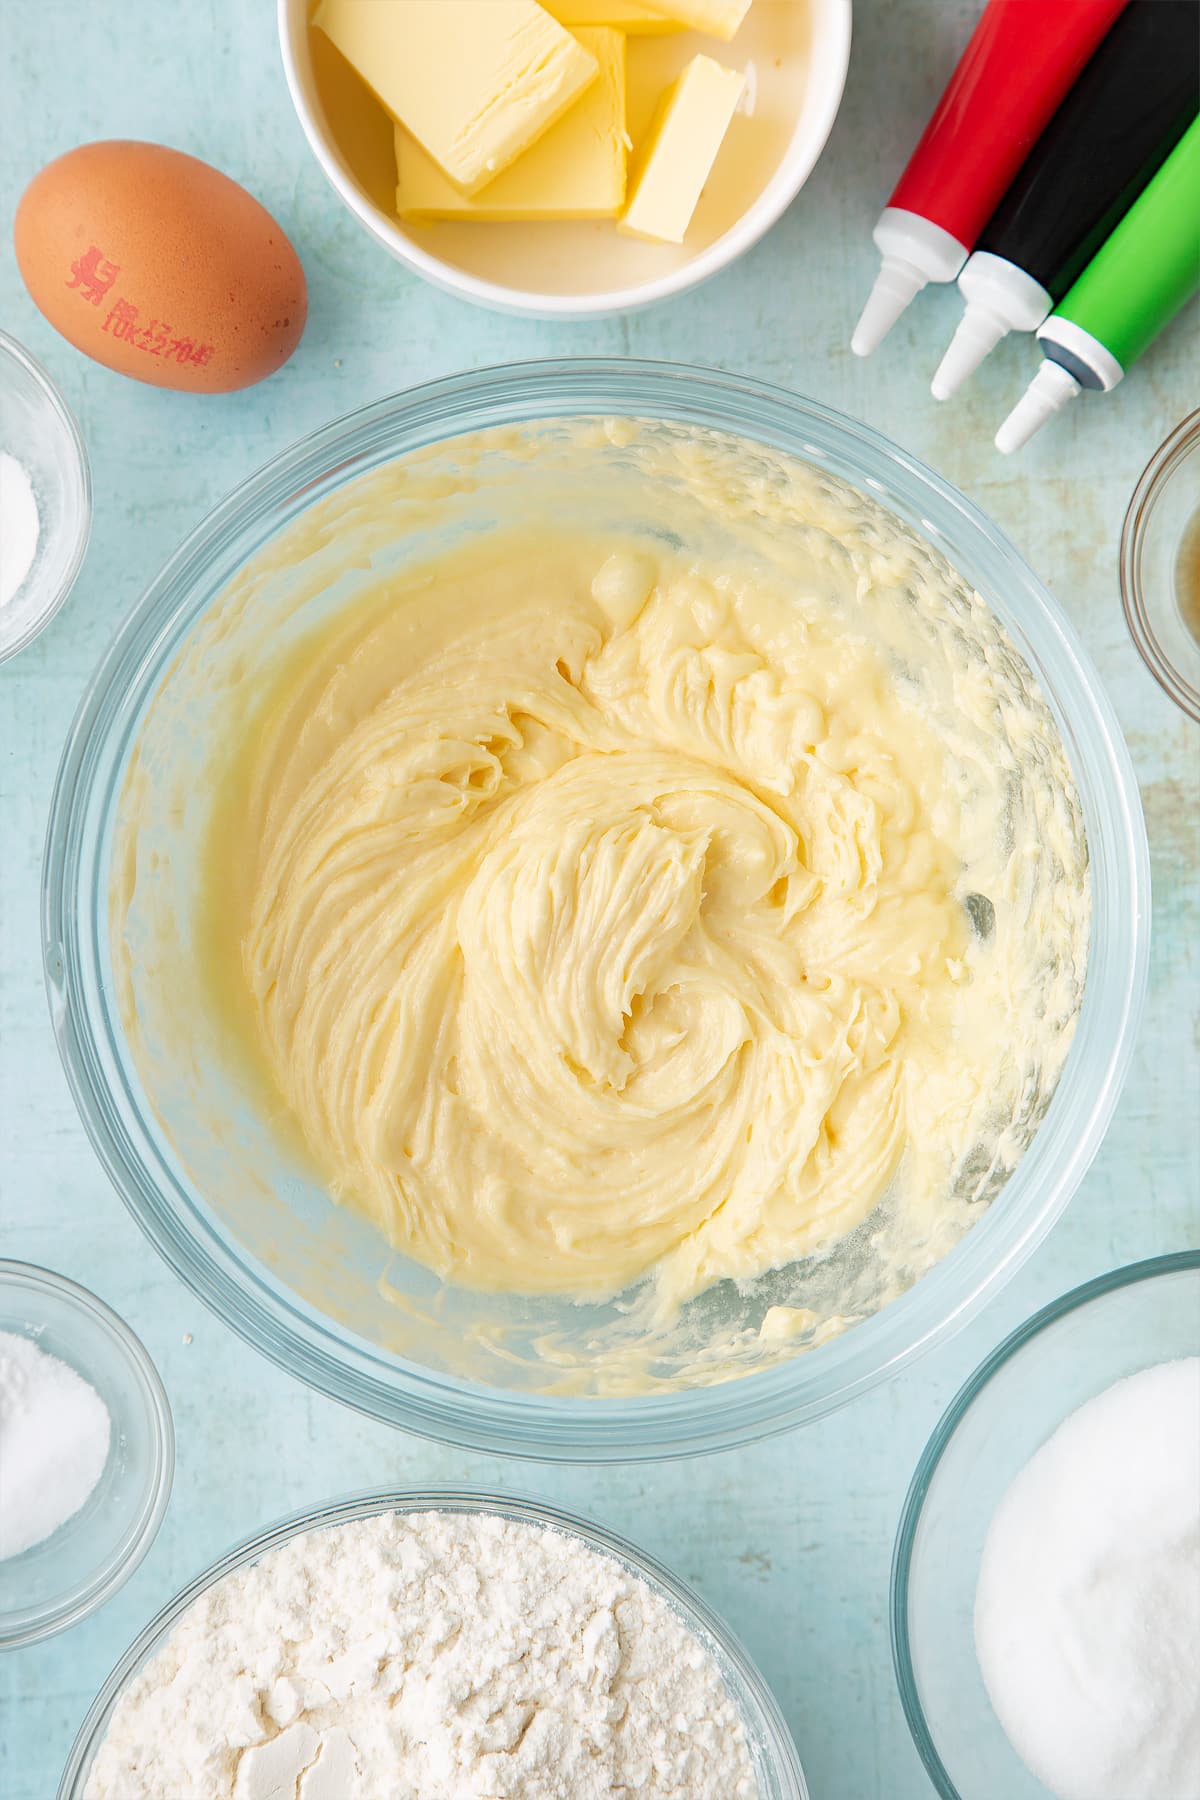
(440, 1654)
(19, 526)
(54, 1438)
(1087, 1613)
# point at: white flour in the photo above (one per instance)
(1087, 1613)
(433, 1656)
(54, 1438)
(19, 526)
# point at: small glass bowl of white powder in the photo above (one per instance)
(1047, 1566)
(45, 498)
(84, 1424)
(441, 1644)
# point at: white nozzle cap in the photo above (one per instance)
(1000, 298)
(1046, 394)
(914, 251)
(979, 331)
(896, 286)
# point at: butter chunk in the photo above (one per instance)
(716, 18)
(678, 158)
(475, 81)
(637, 17)
(576, 170)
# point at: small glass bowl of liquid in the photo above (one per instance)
(1160, 565)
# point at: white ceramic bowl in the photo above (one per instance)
(444, 254)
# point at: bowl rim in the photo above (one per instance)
(695, 1612)
(764, 211)
(29, 1625)
(385, 1386)
(1166, 462)
(1087, 1293)
(16, 351)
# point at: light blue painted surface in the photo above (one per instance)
(790, 1540)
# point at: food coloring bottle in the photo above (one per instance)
(1022, 58)
(1131, 289)
(1129, 108)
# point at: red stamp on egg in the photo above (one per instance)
(93, 275)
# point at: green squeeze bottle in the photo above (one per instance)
(1133, 287)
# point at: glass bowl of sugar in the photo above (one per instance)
(87, 1453)
(1047, 1566)
(1047, 1559)
(45, 498)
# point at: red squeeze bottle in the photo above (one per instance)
(1022, 60)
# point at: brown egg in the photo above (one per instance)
(160, 267)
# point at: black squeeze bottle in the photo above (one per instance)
(1134, 100)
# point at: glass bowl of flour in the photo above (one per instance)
(45, 498)
(440, 1643)
(596, 1147)
(87, 1449)
(1047, 1565)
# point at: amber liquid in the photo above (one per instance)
(1187, 578)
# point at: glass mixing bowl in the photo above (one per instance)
(77, 1568)
(776, 1764)
(1072, 1350)
(1160, 565)
(38, 429)
(313, 1285)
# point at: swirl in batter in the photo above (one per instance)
(607, 917)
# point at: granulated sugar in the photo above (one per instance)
(19, 526)
(440, 1654)
(1087, 1613)
(54, 1437)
